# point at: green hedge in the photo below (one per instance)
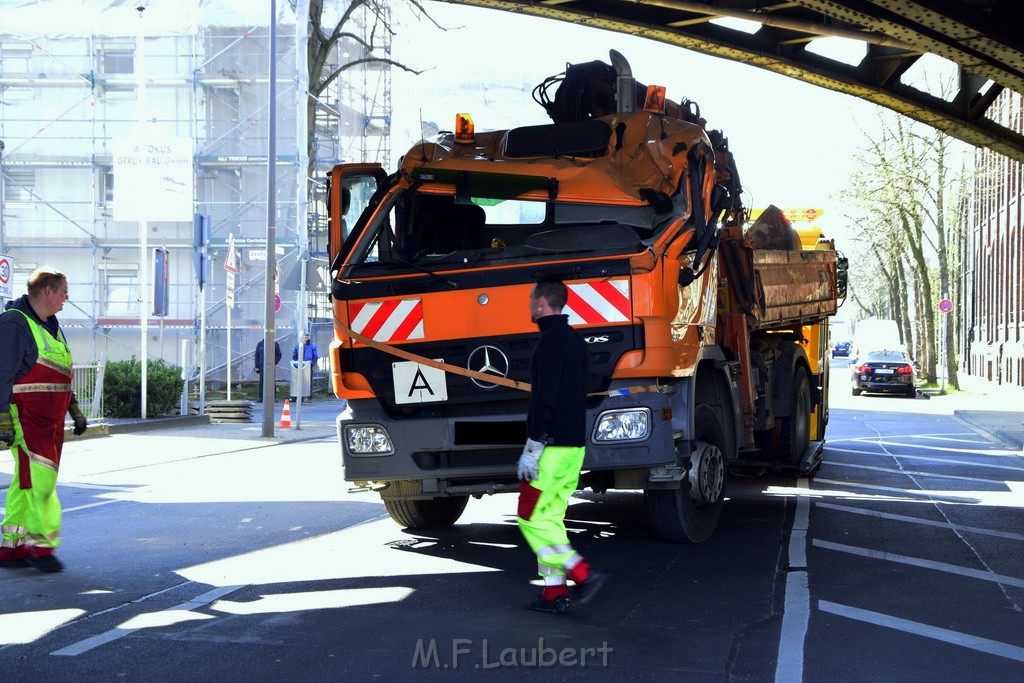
(122, 388)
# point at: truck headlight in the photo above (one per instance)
(368, 440)
(632, 424)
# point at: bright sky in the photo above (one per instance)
(794, 143)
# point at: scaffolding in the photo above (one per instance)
(68, 97)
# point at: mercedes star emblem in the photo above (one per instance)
(490, 360)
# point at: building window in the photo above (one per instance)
(15, 59)
(118, 61)
(19, 185)
(105, 194)
(121, 292)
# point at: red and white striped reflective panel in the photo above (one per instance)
(388, 321)
(599, 302)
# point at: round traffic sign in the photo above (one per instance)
(277, 303)
(945, 305)
(5, 271)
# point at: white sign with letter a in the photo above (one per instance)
(415, 383)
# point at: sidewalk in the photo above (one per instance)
(995, 409)
(310, 421)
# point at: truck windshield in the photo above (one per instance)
(435, 231)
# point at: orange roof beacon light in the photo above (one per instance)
(655, 102)
(464, 132)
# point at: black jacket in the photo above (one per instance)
(559, 375)
(18, 352)
(259, 355)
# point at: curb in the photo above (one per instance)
(107, 428)
(1012, 439)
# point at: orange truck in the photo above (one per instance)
(708, 340)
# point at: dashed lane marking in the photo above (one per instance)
(1001, 579)
(915, 473)
(118, 633)
(917, 520)
(993, 647)
(796, 612)
(937, 460)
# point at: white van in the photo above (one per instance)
(875, 334)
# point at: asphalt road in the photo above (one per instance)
(209, 553)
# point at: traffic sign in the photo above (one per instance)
(6, 280)
(277, 303)
(230, 262)
(945, 306)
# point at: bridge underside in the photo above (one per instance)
(984, 38)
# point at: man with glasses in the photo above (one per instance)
(35, 394)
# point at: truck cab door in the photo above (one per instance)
(351, 186)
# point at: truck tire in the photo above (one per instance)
(690, 513)
(434, 513)
(795, 430)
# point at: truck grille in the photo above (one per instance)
(465, 397)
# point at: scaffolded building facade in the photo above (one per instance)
(72, 89)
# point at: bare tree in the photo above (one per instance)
(323, 39)
(909, 200)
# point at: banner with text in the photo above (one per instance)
(153, 179)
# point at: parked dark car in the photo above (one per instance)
(885, 370)
(842, 348)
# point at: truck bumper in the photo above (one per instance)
(458, 452)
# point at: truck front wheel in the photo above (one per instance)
(433, 513)
(690, 513)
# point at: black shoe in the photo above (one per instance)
(13, 564)
(559, 605)
(46, 563)
(586, 590)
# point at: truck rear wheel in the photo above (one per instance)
(690, 513)
(434, 513)
(795, 430)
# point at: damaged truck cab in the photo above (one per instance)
(706, 350)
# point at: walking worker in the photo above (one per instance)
(259, 366)
(549, 468)
(35, 394)
(307, 352)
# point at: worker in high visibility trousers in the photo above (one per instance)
(35, 394)
(549, 468)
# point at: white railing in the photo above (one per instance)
(88, 387)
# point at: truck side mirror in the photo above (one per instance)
(842, 276)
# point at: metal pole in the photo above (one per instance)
(140, 54)
(3, 191)
(269, 361)
(202, 341)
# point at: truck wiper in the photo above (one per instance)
(440, 278)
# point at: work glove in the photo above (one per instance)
(6, 428)
(529, 461)
(79, 417)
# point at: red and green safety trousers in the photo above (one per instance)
(541, 515)
(40, 400)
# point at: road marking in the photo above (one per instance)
(913, 472)
(993, 647)
(798, 535)
(996, 453)
(1012, 497)
(937, 460)
(118, 633)
(893, 489)
(796, 613)
(917, 520)
(918, 562)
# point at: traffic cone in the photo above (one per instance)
(286, 416)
